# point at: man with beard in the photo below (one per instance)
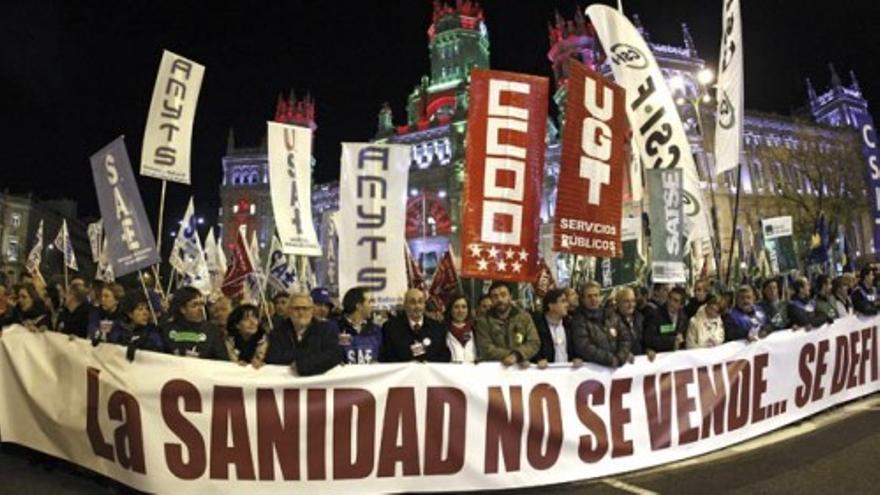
(412, 337)
(506, 333)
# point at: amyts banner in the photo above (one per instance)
(657, 129)
(290, 180)
(167, 137)
(507, 121)
(372, 219)
(589, 201)
(130, 242)
(164, 426)
(667, 225)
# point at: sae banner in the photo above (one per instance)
(667, 225)
(589, 202)
(168, 135)
(657, 129)
(130, 242)
(290, 180)
(507, 122)
(372, 219)
(865, 124)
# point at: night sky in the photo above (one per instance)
(75, 75)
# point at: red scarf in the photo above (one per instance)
(462, 333)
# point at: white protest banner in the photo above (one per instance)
(290, 181)
(95, 232)
(372, 219)
(729, 121)
(187, 255)
(166, 151)
(168, 424)
(657, 129)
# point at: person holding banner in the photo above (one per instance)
(629, 320)
(460, 328)
(506, 333)
(864, 296)
(706, 328)
(773, 306)
(107, 314)
(73, 319)
(596, 338)
(246, 339)
(139, 332)
(310, 346)
(666, 327)
(359, 339)
(412, 337)
(746, 320)
(802, 308)
(187, 333)
(554, 329)
(30, 310)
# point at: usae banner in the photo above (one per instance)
(589, 201)
(507, 121)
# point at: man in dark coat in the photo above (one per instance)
(74, 317)
(666, 326)
(630, 320)
(596, 339)
(746, 320)
(412, 337)
(309, 345)
(554, 330)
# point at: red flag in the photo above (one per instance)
(544, 282)
(414, 277)
(240, 266)
(507, 122)
(445, 282)
(589, 203)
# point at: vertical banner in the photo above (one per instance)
(868, 132)
(130, 242)
(166, 151)
(589, 201)
(657, 130)
(372, 219)
(614, 272)
(507, 123)
(666, 207)
(290, 181)
(779, 241)
(728, 124)
(95, 231)
(328, 263)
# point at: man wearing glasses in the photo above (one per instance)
(310, 346)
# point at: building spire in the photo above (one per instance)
(637, 21)
(835, 79)
(688, 39)
(811, 92)
(230, 141)
(854, 83)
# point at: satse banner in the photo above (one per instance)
(667, 225)
(507, 121)
(589, 201)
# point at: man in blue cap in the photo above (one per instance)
(323, 304)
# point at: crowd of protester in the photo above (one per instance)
(310, 333)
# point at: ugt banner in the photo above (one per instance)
(507, 122)
(667, 225)
(130, 242)
(290, 180)
(169, 424)
(167, 137)
(865, 124)
(372, 219)
(589, 200)
(657, 129)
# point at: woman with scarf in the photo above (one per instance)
(107, 317)
(460, 335)
(706, 328)
(30, 310)
(246, 338)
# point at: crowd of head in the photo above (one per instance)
(312, 334)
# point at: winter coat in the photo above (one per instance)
(704, 331)
(248, 351)
(359, 347)
(314, 353)
(739, 325)
(802, 313)
(462, 353)
(597, 338)
(777, 314)
(548, 349)
(74, 322)
(497, 338)
(202, 340)
(864, 300)
(401, 343)
(660, 332)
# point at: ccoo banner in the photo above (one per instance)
(168, 135)
(290, 180)
(164, 425)
(589, 201)
(667, 225)
(507, 121)
(130, 242)
(372, 219)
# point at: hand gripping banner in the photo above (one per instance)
(589, 201)
(507, 122)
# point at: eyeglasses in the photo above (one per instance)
(301, 308)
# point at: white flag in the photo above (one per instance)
(729, 118)
(187, 256)
(215, 259)
(166, 151)
(657, 129)
(254, 282)
(282, 268)
(35, 257)
(105, 268)
(290, 182)
(63, 244)
(95, 231)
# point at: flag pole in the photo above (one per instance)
(147, 294)
(733, 229)
(159, 234)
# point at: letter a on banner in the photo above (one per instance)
(167, 137)
(290, 180)
(372, 219)
(589, 201)
(507, 122)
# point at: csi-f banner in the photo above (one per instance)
(130, 242)
(165, 425)
(589, 200)
(665, 203)
(501, 217)
(657, 129)
(372, 219)
(778, 237)
(729, 118)
(865, 124)
(168, 135)
(614, 272)
(290, 180)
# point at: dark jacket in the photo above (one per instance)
(548, 349)
(636, 328)
(74, 322)
(38, 315)
(203, 340)
(497, 338)
(659, 331)
(597, 338)
(399, 341)
(359, 347)
(776, 313)
(864, 300)
(738, 324)
(96, 316)
(802, 313)
(315, 353)
(243, 350)
(692, 306)
(148, 338)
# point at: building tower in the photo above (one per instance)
(840, 105)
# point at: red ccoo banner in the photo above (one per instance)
(589, 201)
(507, 123)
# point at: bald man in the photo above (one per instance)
(412, 337)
